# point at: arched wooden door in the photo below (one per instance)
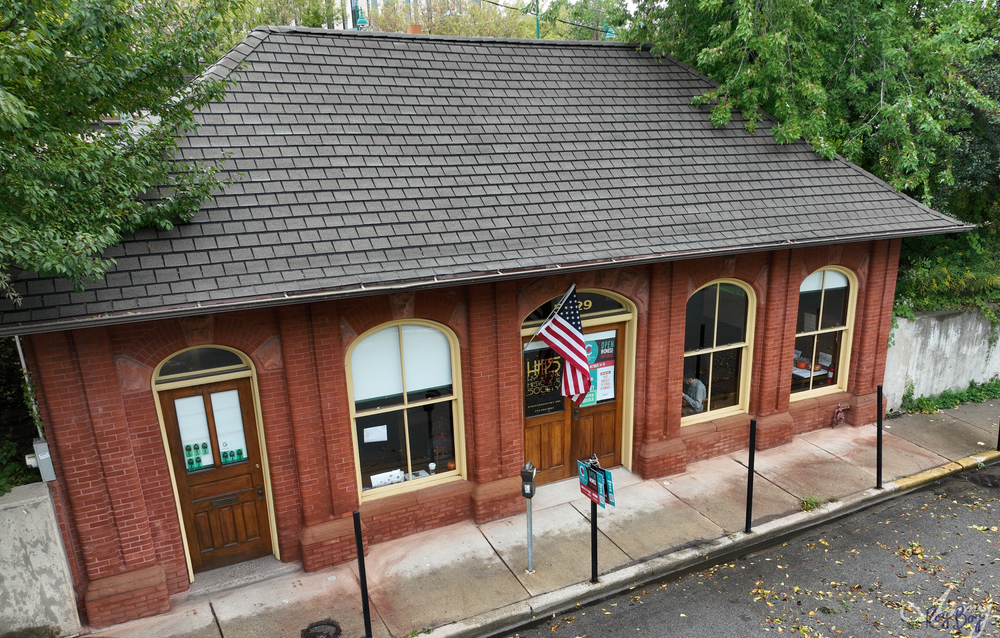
(212, 433)
(556, 431)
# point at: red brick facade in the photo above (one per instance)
(114, 493)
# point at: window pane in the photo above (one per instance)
(835, 306)
(200, 359)
(432, 439)
(808, 311)
(733, 303)
(802, 364)
(812, 283)
(828, 358)
(376, 372)
(542, 380)
(835, 280)
(695, 385)
(700, 329)
(229, 426)
(381, 449)
(427, 362)
(193, 425)
(725, 388)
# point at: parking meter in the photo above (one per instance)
(528, 480)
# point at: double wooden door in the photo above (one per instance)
(557, 432)
(212, 431)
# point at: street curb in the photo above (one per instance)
(511, 617)
(910, 483)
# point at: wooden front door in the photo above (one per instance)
(212, 432)
(557, 433)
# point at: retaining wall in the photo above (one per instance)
(36, 588)
(939, 351)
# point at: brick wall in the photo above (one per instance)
(115, 500)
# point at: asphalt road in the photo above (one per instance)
(874, 573)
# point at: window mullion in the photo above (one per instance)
(406, 420)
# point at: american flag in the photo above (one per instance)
(563, 332)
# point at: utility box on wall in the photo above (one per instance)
(44, 460)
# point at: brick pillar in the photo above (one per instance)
(101, 477)
(872, 323)
(301, 385)
(498, 439)
(659, 453)
(774, 340)
(332, 542)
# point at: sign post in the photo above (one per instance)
(597, 485)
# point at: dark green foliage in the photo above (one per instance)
(17, 429)
(975, 393)
(70, 186)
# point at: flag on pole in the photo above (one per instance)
(563, 332)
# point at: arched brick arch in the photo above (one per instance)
(445, 307)
(750, 269)
(629, 283)
(150, 343)
(853, 257)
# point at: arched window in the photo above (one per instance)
(406, 405)
(822, 331)
(717, 348)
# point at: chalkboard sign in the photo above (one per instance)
(543, 370)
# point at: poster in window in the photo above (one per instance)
(601, 350)
(542, 380)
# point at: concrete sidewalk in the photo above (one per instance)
(469, 580)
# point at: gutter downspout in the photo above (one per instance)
(27, 382)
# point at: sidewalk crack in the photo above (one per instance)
(215, 617)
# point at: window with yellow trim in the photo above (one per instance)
(822, 333)
(716, 348)
(405, 405)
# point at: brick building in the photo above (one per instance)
(343, 328)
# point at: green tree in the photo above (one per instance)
(469, 18)
(882, 82)
(70, 184)
(17, 428)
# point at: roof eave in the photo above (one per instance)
(361, 290)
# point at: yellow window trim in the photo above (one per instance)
(261, 440)
(628, 317)
(458, 415)
(746, 366)
(845, 347)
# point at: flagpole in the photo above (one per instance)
(555, 309)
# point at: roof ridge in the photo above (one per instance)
(236, 55)
(391, 35)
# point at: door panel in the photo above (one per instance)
(564, 433)
(212, 433)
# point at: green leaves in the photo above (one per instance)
(881, 82)
(70, 185)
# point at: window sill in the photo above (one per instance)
(712, 415)
(410, 486)
(811, 394)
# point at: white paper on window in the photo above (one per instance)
(193, 425)
(427, 357)
(375, 366)
(229, 426)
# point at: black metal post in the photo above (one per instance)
(593, 542)
(362, 575)
(878, 447)
(753, 448)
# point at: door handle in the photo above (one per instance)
(260, 492)
(576, 412)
